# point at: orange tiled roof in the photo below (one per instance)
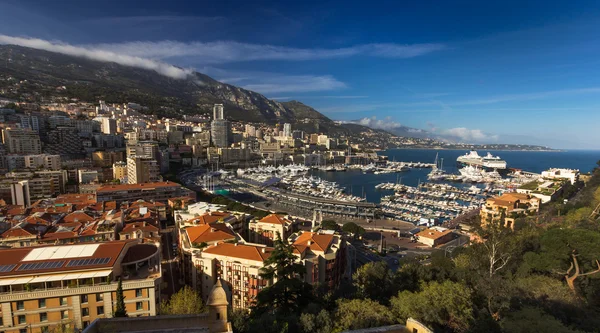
(209, 233)
(208, 218)
(77, 217)
(131, 227)
(318, 242)
(433, 233)
(275, 219)
(240, 251)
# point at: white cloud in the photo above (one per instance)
(295, 83)
(530, 96)
(99, 55)
(469, 135)
(274, 83)
(386, 123)
(231, 51)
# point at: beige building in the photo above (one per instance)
(324, 255)
(507, 207)
(213, 321)
(159, 191)
(236, 265)
(119, 170)
(142, 170)
(73, 285)
(265, 230)
(21, 141)
(435, 236)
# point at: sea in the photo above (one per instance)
(363, 184)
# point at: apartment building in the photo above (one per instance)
(21, 141)
(265, 230)
(507, 207)
(324, 254)
(142, 170)
(73, 285)
(159, 191)
(235, 265)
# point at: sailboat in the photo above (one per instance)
(436, 173)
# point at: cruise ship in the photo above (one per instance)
(489, 161)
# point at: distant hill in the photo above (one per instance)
(91, 80)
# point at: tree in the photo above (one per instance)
(447, 304)
(329, 225)
(185, 301)
(316, 323)
(358, 313)
(531, 319)
(497, 247)
(289, 293)
(374, 281)
(353, 228)
(120, 310)
(572, 253)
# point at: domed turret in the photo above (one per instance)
(217, 296)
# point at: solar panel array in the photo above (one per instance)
(88, 262)
(7, 268)
(41, 265)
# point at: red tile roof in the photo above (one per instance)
(78, 216)
(240, 251)
(15, 256)
(209, 233)
(318, 242)
(275, 219)
(208, 218)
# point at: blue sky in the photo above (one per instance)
(508, 72)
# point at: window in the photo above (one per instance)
(138, 293)
(41, 303)
(100, 310)
(218, 316)
(99, 297)
(85, 312)
(20, 305)
(139, 306)
(86, 324)
(63, 301)
(21, 319)
(43, 316)
(64, 314)
(23, 330)
(84, 298)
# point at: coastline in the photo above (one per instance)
(486, 149)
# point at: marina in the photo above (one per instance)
(415, 192)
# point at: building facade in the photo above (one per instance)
(73, 285)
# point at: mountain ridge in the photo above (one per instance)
(89, 80)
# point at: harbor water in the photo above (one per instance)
(363, 184)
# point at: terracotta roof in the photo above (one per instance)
(275, 219)
(76, 199)
(78, 216)
(128, 187)
(208, 218)
(209, 233)
(240, 251)
(14, 256)
(22, 230)
(318, 242)
(433, 233)
(131, 227)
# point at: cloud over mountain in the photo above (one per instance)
(99, 55)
